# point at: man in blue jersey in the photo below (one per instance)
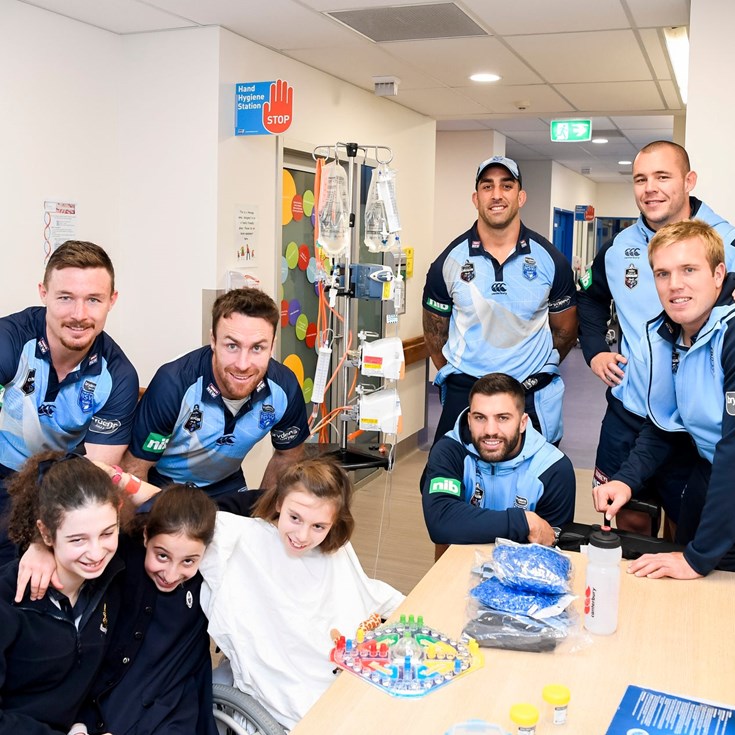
(500, 298)
(662, 182)
(64, 383)
(494, 476)
(202, 413)
(689, 372)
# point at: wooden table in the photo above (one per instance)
(674, 636)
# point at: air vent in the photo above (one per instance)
(586, 171)
(409, 22)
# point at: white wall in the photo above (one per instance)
(138, 131)
(615, 200)
(457, 157)
(537, 211)
(711, 106)
(58, 140)
(168, 191)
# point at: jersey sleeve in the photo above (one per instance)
(449, 518)
(563, 293)
(436, 297)
(293, 428)
(715, 534)
(593, 301)
(10, 349)
(156, 415)
(113, 423)
(556, 505)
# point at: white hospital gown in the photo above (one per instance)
(271, 613)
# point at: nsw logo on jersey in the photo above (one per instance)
(86, 396)
(467, 273)
(448, 485)
(631, 276)
(194, 422)
(29, 384)
(530, 269)
(267, 417)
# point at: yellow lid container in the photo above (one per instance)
(556, 694)
(524, 715)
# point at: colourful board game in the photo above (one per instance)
(406, 658)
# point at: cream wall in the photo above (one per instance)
(58, 139)
(138, 131)
(615, 200)
(709, 123)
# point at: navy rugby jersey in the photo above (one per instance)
(500, 312)
(94, 403)
(183, 425)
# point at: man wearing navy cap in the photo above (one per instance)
(500, 298)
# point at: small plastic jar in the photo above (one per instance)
(525, 717)
(557, 698)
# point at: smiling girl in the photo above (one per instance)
(276, 586)
(51, 648)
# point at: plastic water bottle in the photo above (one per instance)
(602, 590)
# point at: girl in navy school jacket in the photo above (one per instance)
(52, 647)
(157, 674)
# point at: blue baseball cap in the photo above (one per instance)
(507, 163)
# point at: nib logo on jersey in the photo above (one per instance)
(156, 443)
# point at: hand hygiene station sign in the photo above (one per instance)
(263, 108)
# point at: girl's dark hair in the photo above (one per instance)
(323, 478)
(49, 485)
(182, 509)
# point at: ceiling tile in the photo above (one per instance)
(548, 17)
(642, 137)
(618, 96)
(366, 60)
(439, 102)
(655, 48)
(642, 122)
(647, 13)
(452, 60)
(118, 16)
(538, 98)
(576, 57)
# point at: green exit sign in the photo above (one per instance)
(571, 131)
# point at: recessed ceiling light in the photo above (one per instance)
(483, 77)
(624, 163)
(599, 141)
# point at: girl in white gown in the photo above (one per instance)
(276, 585)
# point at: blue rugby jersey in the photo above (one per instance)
(467, 500)
(498, 313)
(693, 389)
(94, 404)
(620, 272)
(183, 425)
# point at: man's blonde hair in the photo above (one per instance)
(689, 229)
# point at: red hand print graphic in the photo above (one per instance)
(278, 111)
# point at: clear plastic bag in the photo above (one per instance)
(334, 210)
(532, 567)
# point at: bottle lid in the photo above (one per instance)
(556, 694)
(604, 539)
(524, 714)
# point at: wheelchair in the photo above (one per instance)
(237, 713)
